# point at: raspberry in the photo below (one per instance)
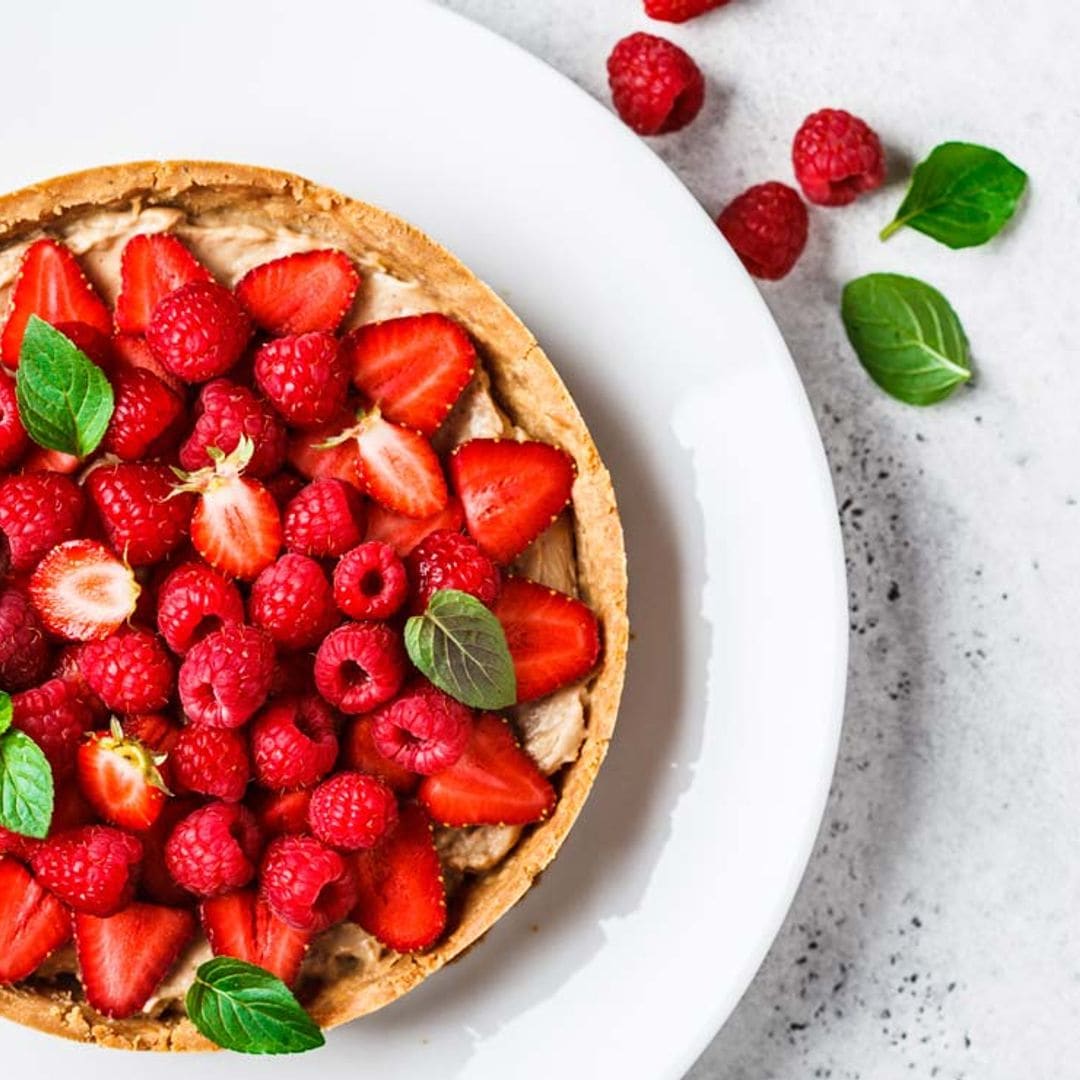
(294, 743)
(214, 850)
(766, 225)
(209, 761)
(56, 717)
(5, 556)
(424, 730)
(97, 346)
(285, 486)
(351, 811)
(23, 847)
(305, 376)
(37, 512)
(451, 560)
(325, 519)
(370, 581)
(293, 675)
(144, 519)
(306, 884)
(91, 869)
(24, 652)
(292, 601)
(66, 667)
(655, 86)
(677, 11)
(14, 442)
(836, 157)
(155, 881)
(199, 331)
(155, 731)
(226, 676)
(358, 751)
(281, 813)
(130, 671)
(359, 666)
(144, 414)
(226, 411)
(194, 601)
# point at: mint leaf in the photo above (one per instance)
(906, 336)
(961, 195)
(64, 399)
(460, 646)
(5, 711)
(241, 1007)
(26, 786)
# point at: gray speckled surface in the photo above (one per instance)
(935, 932)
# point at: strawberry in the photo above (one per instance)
(241, 925)
(123, 958)
(281, 813)
(156, 731)
(51, 285)
(553, 638)
(510, 491)
(120, 779)
(42, 460)
(156, 883)
(151, 267)
(33, 922)
(494, 782)
(404, 533)
(132, 351)
(145, 415)
(90, 341)
(358, 751)
(322, 454)
(296, 294)
(14, 442)
(82, 591)
(401, 897)
(236, 526)
(414, 368)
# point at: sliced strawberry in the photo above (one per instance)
(404, 533)
(120, 780)
(398, 468)
(152, 266)
(309, 454)
(124, 958)
(401, 897)
(32, 922)
(414, 368)
(358, 751)
(155, 882)
(510, 491)
(281, 813)
(296, 294)
(494, 782)
(51, 285)
(82, 591)
(241, 925)
(554, 639)
(41, 459)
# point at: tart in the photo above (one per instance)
(376, 514)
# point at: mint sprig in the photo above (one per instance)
(461, 647)
(26, 780)
(65, 401)
(244, 1008)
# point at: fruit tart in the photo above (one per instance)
(312, 608)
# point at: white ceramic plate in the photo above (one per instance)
(641, 937)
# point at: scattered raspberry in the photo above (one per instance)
(144, 415)
(214, 850)
(199, 331)
(209, 761)
(5, 556)
(370, 581)
(131, 671)
(193, 602)
(325, 519)
(14, 442)
(294, 743)
(154, 730)
(226, 411)
(836, 157)
(358, 751)
(292, 601)
(37, 512)
(24, 652)
(677, 11)
(351, 811)
(766, 225)
(66, 667)
(306, 884)
(304, 376)
(56, 717)
(226, 676)
(424, 730)
(281, 813)
(655, 86)
(359, 666)
(451, 560)
(91, 869)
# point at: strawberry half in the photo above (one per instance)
(33, 922)
(152, 266)
(358, 751)
(82, 591)
(510, 491)
(296, 294)
(401, 897)
(414, 368)
(241, 925)
(323, 454)
(51, 285)
(124, 958)
(554, 639)
(494, 782)
(120, 779)
(404, 533)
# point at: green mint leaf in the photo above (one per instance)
(961, 195)
(64, 399)
(906, 336)
(460, 646)
(241, 1007)
(5, 711)
(26, 786)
